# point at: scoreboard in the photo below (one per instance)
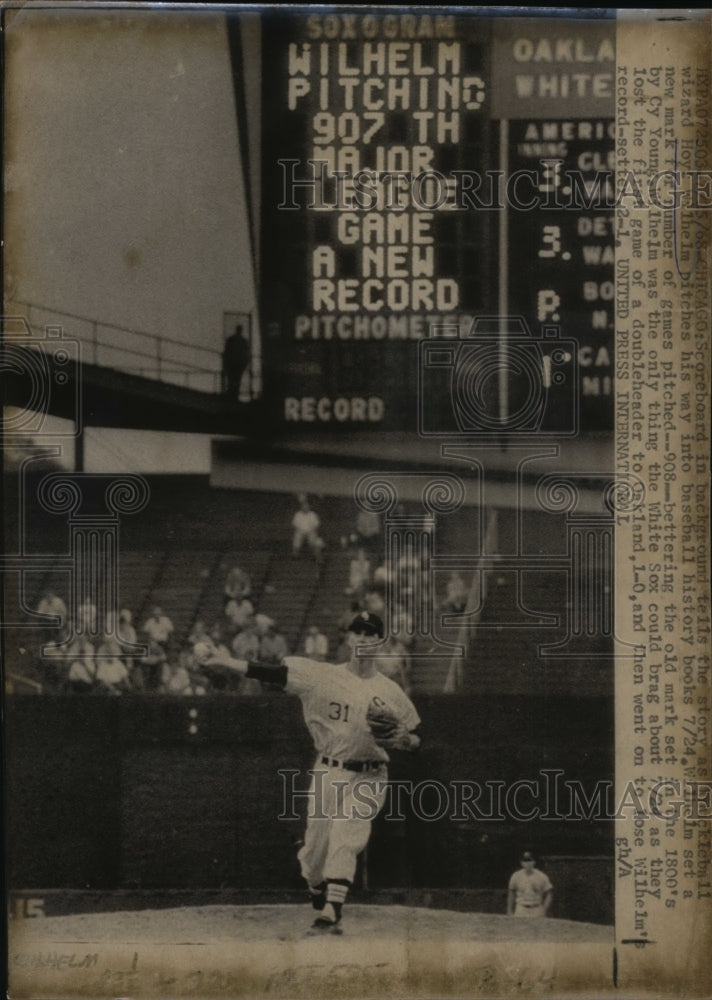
(396, 149)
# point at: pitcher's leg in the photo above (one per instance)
(313, 853)
(349, 834)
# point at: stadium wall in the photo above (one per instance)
(157, 795)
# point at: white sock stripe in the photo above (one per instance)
(336, 893)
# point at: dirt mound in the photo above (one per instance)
(268, 950)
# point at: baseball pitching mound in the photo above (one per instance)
(250, 951)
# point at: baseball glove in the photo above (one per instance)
(385, 727)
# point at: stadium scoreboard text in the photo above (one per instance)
(386, 168)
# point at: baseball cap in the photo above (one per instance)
(366, 623)
(527, 856)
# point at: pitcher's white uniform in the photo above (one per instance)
(349, 777)
(348, 785)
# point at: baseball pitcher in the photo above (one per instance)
(355, 715)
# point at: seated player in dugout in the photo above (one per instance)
(355, 716)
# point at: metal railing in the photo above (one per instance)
(140, 352)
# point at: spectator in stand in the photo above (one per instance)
(237, 584)
(198, 631)
(456, 593)
(306, 526)
(262, 623)
(368, 528)
(367, 532)
(158, 627)
(146, 675)
(246, 644)
(216, 634)
(126, 635)
(198, 680)
(112, 676)
(393, 661)
(316, 645)
(273, 645)
(81, 676)
(220, 681)
(380, 578)
(199, 683)
(359, 573)
(238, 612)
(175, 676)
(126, 632)
(52, 604)
(85, 617)
(374, 603)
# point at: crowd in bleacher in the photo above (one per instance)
(121, 659)
(154, 657)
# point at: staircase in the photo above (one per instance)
(330, 601)
(138, 573)
(178, 587)
(290, 587)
